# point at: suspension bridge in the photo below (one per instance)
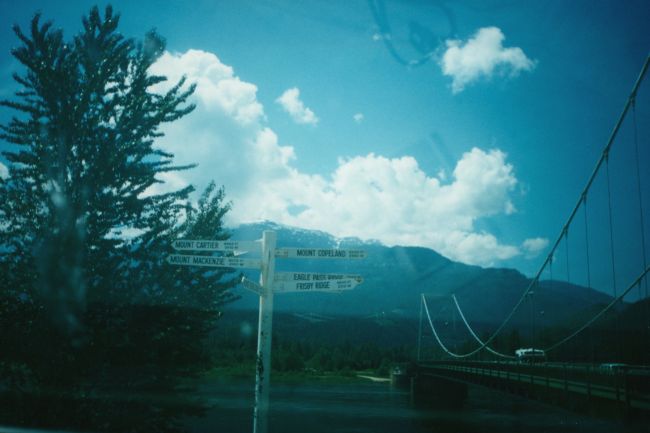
(596, 359)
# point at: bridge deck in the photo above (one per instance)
(626, 390)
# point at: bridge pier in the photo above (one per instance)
(429, 391)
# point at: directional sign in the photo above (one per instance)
(319, 253)
(278, 282)
(312, 282)
(215, 262)
(251, 285)
(206, 245)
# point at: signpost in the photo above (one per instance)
(264, 329)
(270, 283)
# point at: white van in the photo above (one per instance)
(530, 355)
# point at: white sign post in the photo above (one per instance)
(270, 283)
(264, 331)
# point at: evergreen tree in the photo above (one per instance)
(88, 304)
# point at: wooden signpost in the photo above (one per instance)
(270, 282)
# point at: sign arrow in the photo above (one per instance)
(314, 282)
(207, 245)
(214, 262)
(319, 253)
(252, 286)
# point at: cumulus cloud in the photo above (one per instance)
(369, 196)
(217, 86)
(290, 101)
(225, 135)
(533, 246)
(393, 200)
(4, 171)
(358, 117)
(481, 56)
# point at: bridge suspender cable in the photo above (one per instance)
(591, 336)
(641, 216)
(587, 245)
(640, 195)
(611, 225)
(568, 264)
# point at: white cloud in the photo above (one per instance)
(370, 196)
(225, 135)
(358, 117)
(4, 171)
(217, 86)
(533, 246)
(290, 101)
(381, 37)
(480, 56)
(393, 200)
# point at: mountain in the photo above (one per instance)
(395, 278)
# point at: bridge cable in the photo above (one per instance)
(471, 331)
(550, 271)
(584, 199)
(641, 216)
(638, 181)
(603, 311)
(420, 334)
(591, 334)
(435, 334)
(611, 228)
(548, 259)
(604, 155)
(566, 245)
(611, 247)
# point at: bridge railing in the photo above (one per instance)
(628, 380)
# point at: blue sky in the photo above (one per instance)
(469, 127)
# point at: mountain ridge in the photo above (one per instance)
(395, 277)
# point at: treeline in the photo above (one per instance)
(621, 335)
(307, 355)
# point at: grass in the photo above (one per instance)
(247, 371)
